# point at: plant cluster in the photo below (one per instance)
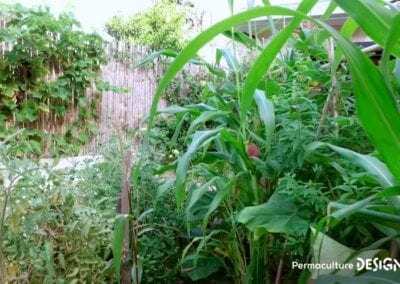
(45, 73)
(56, 224)
(251, 182)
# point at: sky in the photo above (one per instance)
(94, 13)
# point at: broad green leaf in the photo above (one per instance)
(267, 56)
(278, 215)
(200, 138)
(266, 2)
(374, 19)
(165, 52)
(267, 114)
(348, 210)
(204, 267)
(388, 192)
(327, 250)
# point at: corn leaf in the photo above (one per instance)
(118, 243)
(200, 138)
(267, 114)
(374, 19)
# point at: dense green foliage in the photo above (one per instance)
(42, 44)
(58, 222)
(160, 27)
(247, 183)
(289, 154)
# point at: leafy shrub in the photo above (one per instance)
(56, 229)
(160, 27)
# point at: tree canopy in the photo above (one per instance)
(163, 26)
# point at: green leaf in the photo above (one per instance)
(377, 277)
(386, 219)
(267, 114)
(221, 195)
(201, 40)
(348, 29)
(197, 193)
(226, 53)
(206, 116)
(372, 165)
(242, 38)
(374, 19)
(328, 12)
(376, 107)
(327, 250)
(267, 56)
(390, 44)
(154, 55)
(200, 138)
(266, 2)
(205, 266)
(118, 243)
(174, 109)
(347, 210)
(278, 215)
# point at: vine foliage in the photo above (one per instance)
(44, 74)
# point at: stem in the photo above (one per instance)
(237, 74)
(125, 205)
(279, 272)
(331, 101)
(254, 185)
(135, 232)
(3, 216)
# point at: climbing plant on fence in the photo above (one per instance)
(46, 65)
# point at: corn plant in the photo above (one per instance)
(222, 164)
